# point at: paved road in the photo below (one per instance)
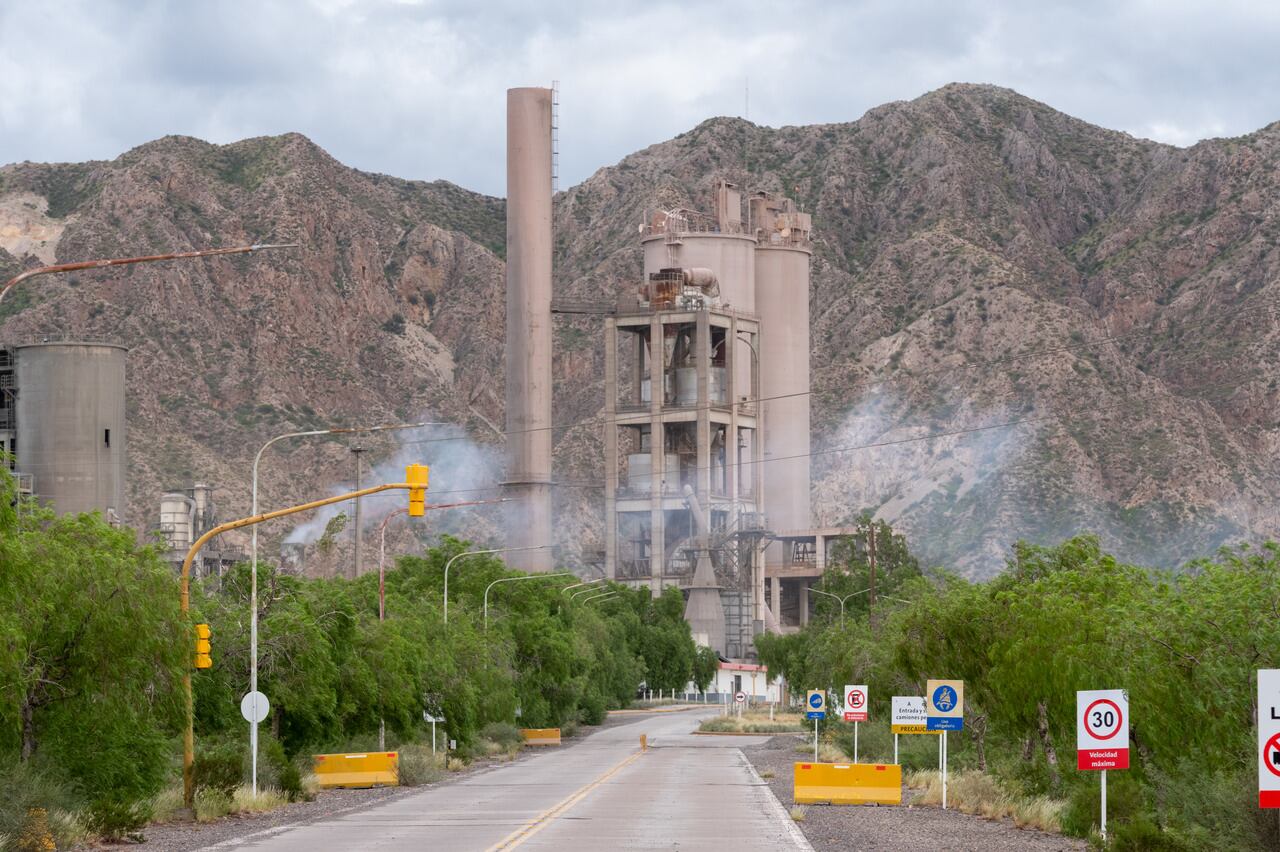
(686, 792)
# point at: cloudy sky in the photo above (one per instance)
(415, 88)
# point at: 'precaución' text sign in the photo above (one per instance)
(909, 715)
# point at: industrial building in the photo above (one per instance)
(707, 472)
(62, 421)
(185, 515)
(707, 406)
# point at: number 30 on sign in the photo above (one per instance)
(1102, 729)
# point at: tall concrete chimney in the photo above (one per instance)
(529, 328)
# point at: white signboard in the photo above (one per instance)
(740, 697)
(254, 707)
(909, 715)
(1102, 729)
(855, 703)
(1269, 738)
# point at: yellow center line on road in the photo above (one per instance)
(543, 819)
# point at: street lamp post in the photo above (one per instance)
(841, 599)
(253, 561)
(584, 583)
(600, 596)
(188, 739)
(512, 580)
(458, 556)
(382, 577)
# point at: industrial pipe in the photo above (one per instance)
(121, 261)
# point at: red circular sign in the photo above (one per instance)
(1100, 719)
(856, 698)
(1272, 745)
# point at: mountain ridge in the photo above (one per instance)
(967, 227)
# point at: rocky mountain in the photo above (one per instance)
(1024, 326)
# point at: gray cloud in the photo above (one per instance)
(415, 89)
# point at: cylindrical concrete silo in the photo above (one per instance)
(730, 256)
(71, 424)
(528, 352)
(782, 301)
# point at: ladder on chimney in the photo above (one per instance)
(555, 135)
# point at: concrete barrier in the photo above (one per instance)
(370, 769)
(541, 736)
(848, 783)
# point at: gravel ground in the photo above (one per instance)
(184, 837)
(894, 829)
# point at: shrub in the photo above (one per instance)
(26, 791)
(418, 766)
(284, 773)
(219, 769)
(506, 735)
(592, 710)
(115, 817)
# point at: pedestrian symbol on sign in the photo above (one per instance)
(944, 698)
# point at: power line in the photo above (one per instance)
(866, 382)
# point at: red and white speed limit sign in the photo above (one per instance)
(1102, 729)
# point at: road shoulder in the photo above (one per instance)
(891, 829)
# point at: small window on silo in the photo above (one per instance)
(106, 437)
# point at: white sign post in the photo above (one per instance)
(816, 701)
(944, 711)
(1102, 735)
(855, 710)
(1269, 738)
(254, 707)
(909, 717)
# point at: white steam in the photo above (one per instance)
(907, 484)
(461, 471)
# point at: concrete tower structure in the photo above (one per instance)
(528, 350)
(782, 251)
(687, 488)
(67, 432)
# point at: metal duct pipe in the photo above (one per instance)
(528, 352)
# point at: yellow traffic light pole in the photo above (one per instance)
(415, 484)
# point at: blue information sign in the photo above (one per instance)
(817, 701)
(944, 724)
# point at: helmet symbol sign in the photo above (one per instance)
(815, 700)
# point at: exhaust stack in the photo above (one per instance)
(528, 352)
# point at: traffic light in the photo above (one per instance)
(203, 660)
(416, 476)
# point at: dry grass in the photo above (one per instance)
(455, 764)
(766, 774)
(827, 752)
(798, 813)
(978, 793)
(755, 723)
(165, 804)
(211, 805)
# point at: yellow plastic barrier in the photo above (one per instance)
(371, 769)
(541, 736)
(848, 783)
